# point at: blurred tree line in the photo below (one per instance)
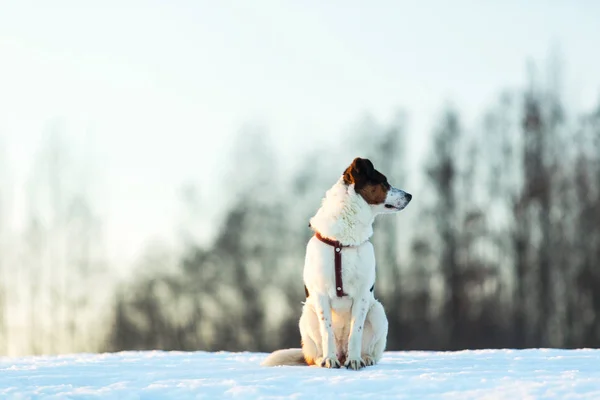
(499, 247)
(53, 272)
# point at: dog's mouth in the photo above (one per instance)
(392, 207)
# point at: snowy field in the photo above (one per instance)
(485, 374)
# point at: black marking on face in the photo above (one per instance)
(371, 184)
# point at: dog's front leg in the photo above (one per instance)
(329, 358)
(359, 313)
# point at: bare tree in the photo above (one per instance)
(442, 173)
(61, 250)
(3, 258)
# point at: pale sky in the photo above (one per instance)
(159, 88)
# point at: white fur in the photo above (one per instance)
(344, 215)
(354, 327)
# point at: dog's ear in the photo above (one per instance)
(363, 166)
(359, 172)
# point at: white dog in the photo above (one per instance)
(341, 322)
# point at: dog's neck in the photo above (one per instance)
(344, 216)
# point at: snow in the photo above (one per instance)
(481, 374)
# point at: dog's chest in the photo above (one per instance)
(357, 266)
(356, 269)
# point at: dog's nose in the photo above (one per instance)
(408, 197)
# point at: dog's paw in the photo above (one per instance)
(329, 362)
(355, 364)
(368, 360)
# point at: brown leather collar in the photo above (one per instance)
(337, 247)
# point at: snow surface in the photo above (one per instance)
(483, 374)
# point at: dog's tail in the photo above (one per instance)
(284, 357)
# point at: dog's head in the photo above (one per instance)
(374, 188)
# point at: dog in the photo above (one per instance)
(342, 323)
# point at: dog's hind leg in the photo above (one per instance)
(375, 334)
(311, 335)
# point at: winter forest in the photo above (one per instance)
(499, 247)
